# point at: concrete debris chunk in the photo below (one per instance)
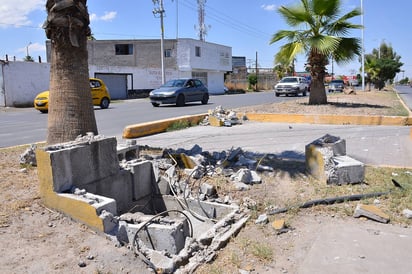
(371, 212)
(326, 159)
(220, 117)
(262, 219)
(279, 224)
(407, 213)
(29, 156)
(246, 176)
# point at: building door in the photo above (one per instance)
(116, 83)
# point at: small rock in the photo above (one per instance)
(407, 213)
(82, 264)
(262, 219)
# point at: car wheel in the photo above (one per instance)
(277, 94)
(205, 99)
(304, 92)
(155, 104)
(180, 101)
(44, 111)
(104, 103)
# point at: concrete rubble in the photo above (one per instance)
(221, 117)
(326, 158)
(160, 206)
(371, 212)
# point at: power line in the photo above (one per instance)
(228, 21)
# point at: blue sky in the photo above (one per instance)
(244, 25)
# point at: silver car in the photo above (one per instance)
(180, 92)
(336, 85)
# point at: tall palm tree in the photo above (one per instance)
(319, 33)
(70, 104)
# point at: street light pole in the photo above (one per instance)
(27, 49)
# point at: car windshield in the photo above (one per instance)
(289, 80)
(174, 83)
(337, 81)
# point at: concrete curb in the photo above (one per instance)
(331, 119)
(149, 128)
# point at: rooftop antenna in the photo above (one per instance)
(202, 29)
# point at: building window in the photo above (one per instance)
(168, 53)
(124, 49)
(197, 51)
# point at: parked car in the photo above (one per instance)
(336, 85)
(180, 92)
(292, 85)
(100, 96)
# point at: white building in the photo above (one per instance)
(126, 66)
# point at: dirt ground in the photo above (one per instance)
(35, 239)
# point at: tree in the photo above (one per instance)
(70, 104)
(252, 79)
(320, 35)
(28, 58)
(382, 65)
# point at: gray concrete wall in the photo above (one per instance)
(23, 81)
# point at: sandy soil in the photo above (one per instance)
(35, 239)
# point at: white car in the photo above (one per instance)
(292, 85)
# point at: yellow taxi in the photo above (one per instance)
(99, 90)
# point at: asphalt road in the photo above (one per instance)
(27, 125)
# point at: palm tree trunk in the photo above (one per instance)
(71, 110)
(317, 89)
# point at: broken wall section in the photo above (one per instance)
(85, 180)
(326, 159)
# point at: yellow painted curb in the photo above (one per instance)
(149, 128)
(330, 119)
(77, 209)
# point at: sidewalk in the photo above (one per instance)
(340, 246)
(372, 145)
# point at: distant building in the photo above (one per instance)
(129, 66)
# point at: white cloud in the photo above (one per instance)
(15, 13)
(268, 7)
(107, 16)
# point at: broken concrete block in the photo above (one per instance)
(262, 219)
(207, 189)
(371, 212)
(326, 159)
(246, 176)
(407, 213)
(29, 156)
(279, 224)
(234, 154)
(345, 170)
(80, 164)
(215, 121)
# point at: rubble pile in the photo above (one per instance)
(239, 167)
(221, 117)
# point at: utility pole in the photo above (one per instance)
(257, 72)
(160, 10)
